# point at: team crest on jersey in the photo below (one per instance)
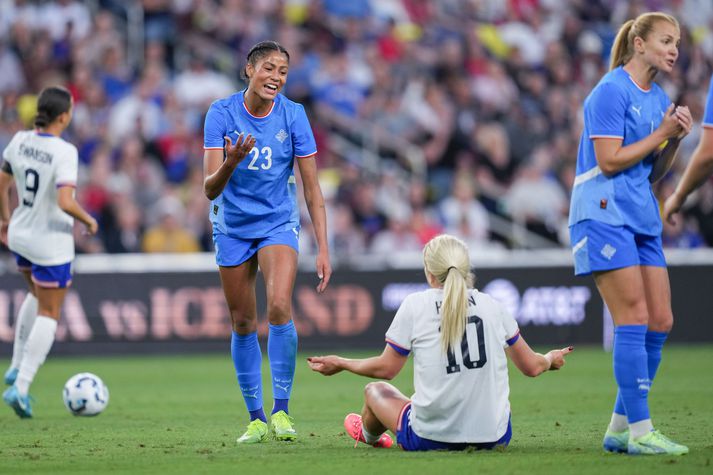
(281, 135)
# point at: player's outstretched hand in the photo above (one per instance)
(671, 206)
(92, 227)
(324, 272)
(236, 153)
(556, 357)
(327, 365)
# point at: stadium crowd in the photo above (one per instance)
(430, 115)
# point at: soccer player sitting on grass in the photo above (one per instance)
(460, 338)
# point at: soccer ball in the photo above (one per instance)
(85, 394)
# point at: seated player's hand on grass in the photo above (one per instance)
(327, 365)
(556, 357)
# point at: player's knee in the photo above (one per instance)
(661, 322)
(243, 322)
(635, 313)
(279, 311)
(374, 390)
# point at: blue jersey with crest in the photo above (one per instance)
(260, 197)
(618, 108)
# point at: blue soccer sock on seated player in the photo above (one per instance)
(282, 351)
(247, 359)
(632, 375)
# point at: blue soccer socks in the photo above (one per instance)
(247, 359)
(282, 352)
(631, 371)
(654, 342)
(654, 345)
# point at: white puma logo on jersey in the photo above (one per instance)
(637, 110)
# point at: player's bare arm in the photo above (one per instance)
(385, 366)
(218, 165)
(698, 170)
(612, 157)
(533, 364)
(315, 206)
(67, 203)
(6, 180)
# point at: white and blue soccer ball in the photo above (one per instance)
(85, 394)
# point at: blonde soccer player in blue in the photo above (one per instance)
(252, 140)
(630, 138)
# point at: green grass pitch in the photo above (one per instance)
(182, 414)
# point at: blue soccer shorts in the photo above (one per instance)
(231, 251)
(46, 276)
(599, 247)
(408, 440)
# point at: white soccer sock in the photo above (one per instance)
(640, 428)
(370, 438)
(618, 423)
(36, 349)
(23, 325)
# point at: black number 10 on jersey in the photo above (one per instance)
(453, 366)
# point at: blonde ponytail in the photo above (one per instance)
(446, 258)
(623, 48)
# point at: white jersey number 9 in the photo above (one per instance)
(266, 154)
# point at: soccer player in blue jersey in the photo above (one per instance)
(630, 138)
(252, 140)
(699, 168)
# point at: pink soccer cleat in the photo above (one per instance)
(352, 423)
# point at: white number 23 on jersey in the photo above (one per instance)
(263, 155)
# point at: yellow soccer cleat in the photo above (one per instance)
(256, 433)
(655, 443)
(282, 426)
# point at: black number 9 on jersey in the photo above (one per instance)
(453, 366)
(32, 184)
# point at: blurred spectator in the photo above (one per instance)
(398, 235)
(12, 77)
(536, 199)
(346, 239)
(462, 210)
(169, 235)
(198, 85)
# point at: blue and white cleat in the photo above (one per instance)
(655, 443)
(617, 442)
(20, 404)
(11, 376)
